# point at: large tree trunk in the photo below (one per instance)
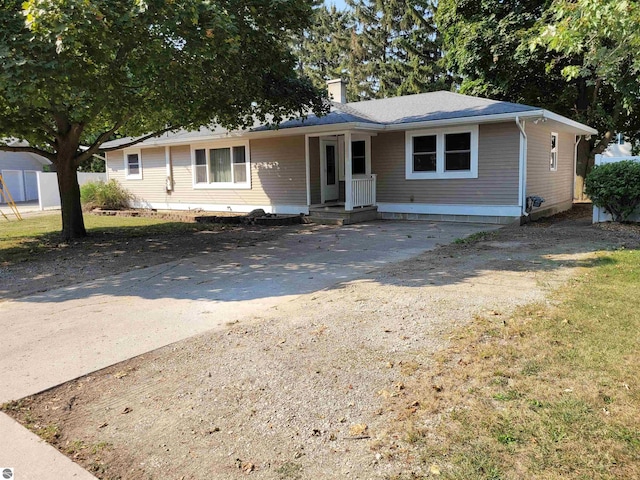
(584, 163)
(72, 220)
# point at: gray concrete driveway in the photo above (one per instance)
(56, 336)
(62, 334)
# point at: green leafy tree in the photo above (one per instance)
(329, 49)
(323, 48)
(383, 48)
(401, 47)
(598, 41)
(486, 42)
(502, 50)
(93, 164)
(78, 72)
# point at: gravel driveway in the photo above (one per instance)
(301, 390)
(52, 337)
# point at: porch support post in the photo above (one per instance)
(307, 161)
(348, 174)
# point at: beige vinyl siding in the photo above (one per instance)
(277, 176)
(152, 186)
(497, 182)
(554, 186)
(115, 166)
(314, 169)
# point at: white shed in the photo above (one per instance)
(19, 172)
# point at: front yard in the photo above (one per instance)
(32, 258)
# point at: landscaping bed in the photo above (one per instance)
(194, 216)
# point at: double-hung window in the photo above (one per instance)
(442, 153)
(133, 165)
(424, 153)
(221, 166)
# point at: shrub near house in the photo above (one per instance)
(616, 188)
(108, 196)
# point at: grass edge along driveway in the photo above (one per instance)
(549, 392)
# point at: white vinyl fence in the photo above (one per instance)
(48, 194)
(599, 214)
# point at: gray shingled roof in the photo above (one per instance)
(411, 108)
(406, 109)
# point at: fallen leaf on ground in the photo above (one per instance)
(358, 429)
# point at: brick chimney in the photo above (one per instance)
(337, 90)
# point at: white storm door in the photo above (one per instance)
(329, 170)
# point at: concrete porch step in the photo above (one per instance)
(332, 215)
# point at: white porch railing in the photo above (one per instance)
(363, 191)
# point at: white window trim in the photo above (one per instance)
(553, 166)
(206, 146)
(135, 176)
(440, 172)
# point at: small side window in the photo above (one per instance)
(553, 158)
(133, 165)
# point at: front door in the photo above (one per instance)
(329, 170)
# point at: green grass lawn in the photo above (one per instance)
(21, 239)
(552, 392)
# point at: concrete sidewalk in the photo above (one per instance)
(59, 335)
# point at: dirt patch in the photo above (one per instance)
(257, 217)
(303, 390)
(111, 252)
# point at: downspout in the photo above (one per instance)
(575, 166)
(167, 161)
(523, 168)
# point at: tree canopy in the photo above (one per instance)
(76, 73)
(383, 48)
(598, 41)
(574, 57)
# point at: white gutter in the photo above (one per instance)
(585, 129)
(522, 191)
(476, 119)
(293, 131)
(381, 127)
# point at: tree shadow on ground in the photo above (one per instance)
(302, 262)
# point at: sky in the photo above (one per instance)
(338, 3)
